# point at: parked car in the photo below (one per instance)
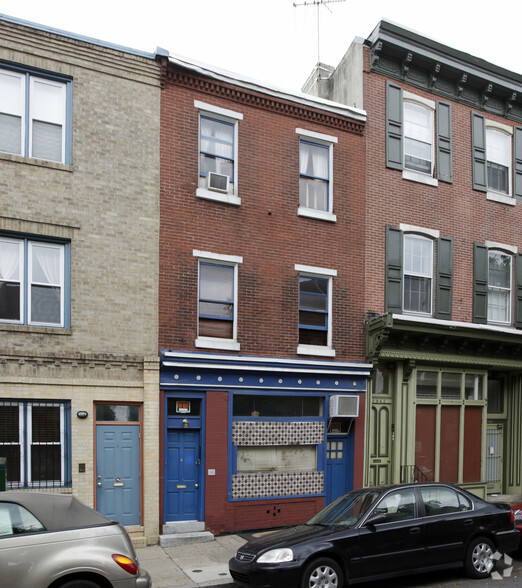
(56, 541)
(381, 532)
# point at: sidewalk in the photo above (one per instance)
(186, 566)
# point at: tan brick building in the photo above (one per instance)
(79, 216)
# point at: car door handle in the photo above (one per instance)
(414, 530)
(468, 522)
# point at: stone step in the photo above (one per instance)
(174, 539)
(183, 527)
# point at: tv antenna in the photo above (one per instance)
(318, 3)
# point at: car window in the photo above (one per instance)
(15, 519)
(443, 501)
(347, 509)
(399, 505)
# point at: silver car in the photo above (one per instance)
(56, 541)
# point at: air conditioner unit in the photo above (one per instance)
(344, 406)
(217, 182)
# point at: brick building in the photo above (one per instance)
(443, 273)
(79, 225)
(261, 317)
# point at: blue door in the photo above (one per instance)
(182, 484)
(118, 473)
(339, 472)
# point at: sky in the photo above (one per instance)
(278, 42)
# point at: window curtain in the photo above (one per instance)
(9, 262)
(313, 161)
(46, 266)
(216, 138)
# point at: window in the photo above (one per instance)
(418, 274)
(33, 282)
(218, 153)
(497, 159)
(315, 175)
(315, 310)
(497, 289)
(276, 458)
(15, 519)
(442, 501)
(217, 301)
(418, 136)
(399, 505)
(33, 116)
(34, 438)
(412, 285)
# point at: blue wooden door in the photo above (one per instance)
(118, 473)
(338, 468)
(182, 484)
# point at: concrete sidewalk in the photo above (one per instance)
(186, 566)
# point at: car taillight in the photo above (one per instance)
(516, 515)
(125, 563)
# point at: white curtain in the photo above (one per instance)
(216, 138)
(314, 161)
(46, 265)
(9, 261)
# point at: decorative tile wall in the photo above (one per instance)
(277, 433)
(280, 484)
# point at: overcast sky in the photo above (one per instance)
(274, 41)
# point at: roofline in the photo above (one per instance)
(77, 37)
(258, 86)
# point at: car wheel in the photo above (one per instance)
(79, 583)
(479, 558)
(322, 573)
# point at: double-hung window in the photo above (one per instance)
(34, 438)
(498, 149)
(218, 153)
(499, 287)
(217, 301)
(34, 116)
(315, 310)
(418, 274)
(418, 137)
(34, 282)
(315, 175)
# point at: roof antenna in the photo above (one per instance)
(318, 3)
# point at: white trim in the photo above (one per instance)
(216, 343)
(318, 214)
(491, 124)
(217, 256)
(415, 176)
(316, 136)
(493, 245)
(325, 351)
(409, 97)
(434, 233)
(502, 198)
(318, 271)
(211, 195)
(218, 110)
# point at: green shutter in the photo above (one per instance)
(394, 116)
(480, 283)
(478, 144)
(518, 291)
(394, 247)
(444, 142)
(517, 164)
(444, 277)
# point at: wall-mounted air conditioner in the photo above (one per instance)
(217, 182)
(344, 406)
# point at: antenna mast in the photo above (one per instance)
(318, 3)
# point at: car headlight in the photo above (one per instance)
(276, 556)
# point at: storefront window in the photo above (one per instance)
(277, 406)
(286, 458)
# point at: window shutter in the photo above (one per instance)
(517, 166)
(394, 247)
(394, 116)
(478, 141)
(444, 277)
(518, 291)
(480, 283)
(444, 143)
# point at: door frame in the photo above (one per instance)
(138, 424)
(176, 422)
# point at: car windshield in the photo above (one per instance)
(347, 509)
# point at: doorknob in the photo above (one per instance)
(99, 484)
(196, 485)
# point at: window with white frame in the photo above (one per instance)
(315, 175)
(418, 274)
(33, 282)
(34, 440)
(499, 287)
(217, 300)
(218, 153)
(315, 310)
(33, 116)
(498, 149)
(418, 137)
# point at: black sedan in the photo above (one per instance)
(381, 533)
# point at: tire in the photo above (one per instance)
(324, 573)
(79, 583)
(479, 560)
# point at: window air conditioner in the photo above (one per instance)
(217, 182)
(344, 406)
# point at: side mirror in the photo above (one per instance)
(375, 519)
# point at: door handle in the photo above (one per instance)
(196, 485)
(99, 484)
(414, 530)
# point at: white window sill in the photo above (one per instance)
(316, 350)
(318, 214)
(211, 343)
(503, 198)
(413, 176)
(218, 197)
